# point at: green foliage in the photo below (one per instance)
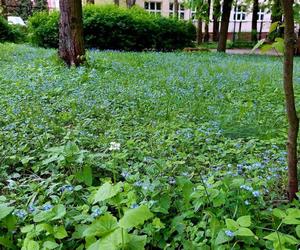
(110, 27)
(10, 33)
(113, 155)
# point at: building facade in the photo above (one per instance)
(240, 18)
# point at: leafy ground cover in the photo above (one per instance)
(143, 150)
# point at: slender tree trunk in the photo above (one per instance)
(289, 41)
(176, 9)
(117, 2)
(216, 15)
(227, 4)
(129, 3)
(71, 46)
(255, 10)
(90, 1)
(199, 31)
(206, 34)
(276, 15)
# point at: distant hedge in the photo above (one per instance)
(11, 33)
(111, 27)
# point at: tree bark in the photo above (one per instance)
(129, 3)
(176, 9)
(90, 1)
(255, 10)
(71, 45)
(206, 34)
(289, 42)
(216, 15)
(227, 4)
(117, 2)
(199, 31)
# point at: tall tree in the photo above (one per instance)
(199, 31)
(227, 4)
(130, 3)
(255, 10)
(207, 21)
(176, 9)
(71, 46)
(90, 1)
(216, 16)
(293, 119)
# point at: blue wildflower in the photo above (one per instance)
(134, 206)
(255, 193)
(68, 188)
(229, 233)
(31, 208)
(172, 181)
(20, 213)
(96, 213)
(247, 202)
(47, 207)
(125, 174)
(248, 188)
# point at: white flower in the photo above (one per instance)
(114, 146)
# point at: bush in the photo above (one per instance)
(110, 27)
(43, 29)
(10, 33)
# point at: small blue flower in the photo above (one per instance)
(31, 208)
(134, 206)
(20, 213)
(96, 213)
(247, 203)
(68, 188)
(172, 181)
(229, 233)
(256, 193)
(248, 188)
(125, 174)
(47, 207)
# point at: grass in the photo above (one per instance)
(202, 116)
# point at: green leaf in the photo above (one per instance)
(278, 213)
(60, 232)
(243, 231)
(87, 175)
(231, 224)
(27, 229)
(136, 242)
(294, 212)
(280, 237)
(258, 45)
(107, 191)
(298, 231)
(222, 238)
(112, 241)
(50, 245)
(5, 210)
(33, 245)
(101, 226)
(244, 221)
(273, 27)
(59, 211)
(290, 220)
(135, 217)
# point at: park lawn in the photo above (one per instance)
(167, 126)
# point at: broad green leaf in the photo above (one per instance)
(222, 238)
(135, 217)
(258, 45)
(44, 216)
(231, 224)
(280, 237)
(60, 232)
(44, 227)
(136, 242)
(5, 210)
(294, 212)
(101, 226)
(244, 221)
(32, 245)
(273, 27)
(290, 220)
(243, 231)
(59, 211)
(278, 213)
(27, 229)
(298, 231)
(87, 175)
(50, 245)
(107, 191)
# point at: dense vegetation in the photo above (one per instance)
(110, 27)
(167, 151)
(9, 33)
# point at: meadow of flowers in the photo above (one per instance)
(143, 151)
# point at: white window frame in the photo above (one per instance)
(261, 15)
(239, 13)
(181, 10)
(155, 10)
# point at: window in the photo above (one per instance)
(239, 13)
(193, 15)
(261, 15)
(180, 10)
(153, 7)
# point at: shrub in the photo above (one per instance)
(43, 29)
(110, 27)
(9, 33)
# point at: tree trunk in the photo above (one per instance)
(117, 2)
(90, 1)
(199, 31)
(3, 9)
(227, 4)
(289, 42)
(71, 46)
(276, 15)
(255, 10)
(176, 9)
(129, 3)
(206, 34)
(216, 15)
